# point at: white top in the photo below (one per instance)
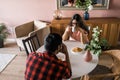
(78, 65)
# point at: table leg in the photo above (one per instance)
(85, 77)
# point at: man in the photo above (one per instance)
(46, 65)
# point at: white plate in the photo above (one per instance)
(76, 53)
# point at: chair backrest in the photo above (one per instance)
(31, 44)
(41, 33)
(26, 28)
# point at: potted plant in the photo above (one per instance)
(3, 34)
(95, 45)
(85, 5)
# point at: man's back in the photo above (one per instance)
(42, 66)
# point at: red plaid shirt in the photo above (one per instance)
(42, 66)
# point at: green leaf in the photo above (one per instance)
(83, 5)
(3, 31)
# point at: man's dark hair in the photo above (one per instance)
(52, 41)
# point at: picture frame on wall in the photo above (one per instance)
(97, 5)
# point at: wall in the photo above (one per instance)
(16, 12)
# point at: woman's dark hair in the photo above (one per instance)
(80, 22)
(52, 41)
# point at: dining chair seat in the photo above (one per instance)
(101, 70)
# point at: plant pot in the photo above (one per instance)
(87, 56)
(1, 43)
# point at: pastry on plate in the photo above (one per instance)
(77, 49)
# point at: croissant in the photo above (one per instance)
(76, 49)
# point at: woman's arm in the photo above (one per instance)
(66, 34)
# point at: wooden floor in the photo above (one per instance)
(15, 70)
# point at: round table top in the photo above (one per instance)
(79, 66)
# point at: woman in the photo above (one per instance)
(76, 30)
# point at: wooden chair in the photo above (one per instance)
(39, 27)
(106, 72)
(31, 44)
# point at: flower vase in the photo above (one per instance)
(86, 15)
(87, 56)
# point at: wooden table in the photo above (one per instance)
(78, 65)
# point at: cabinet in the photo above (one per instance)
(110, 27)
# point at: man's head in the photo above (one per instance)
(52, 41)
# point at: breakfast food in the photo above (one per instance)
(76, 49)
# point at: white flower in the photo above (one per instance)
(94, 30)
(93, 35)
(96, 39)
(90, 7)
(100, 30)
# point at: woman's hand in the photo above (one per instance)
(67, 33)
(68, 29)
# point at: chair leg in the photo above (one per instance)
(117, 78)
(20, 48)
